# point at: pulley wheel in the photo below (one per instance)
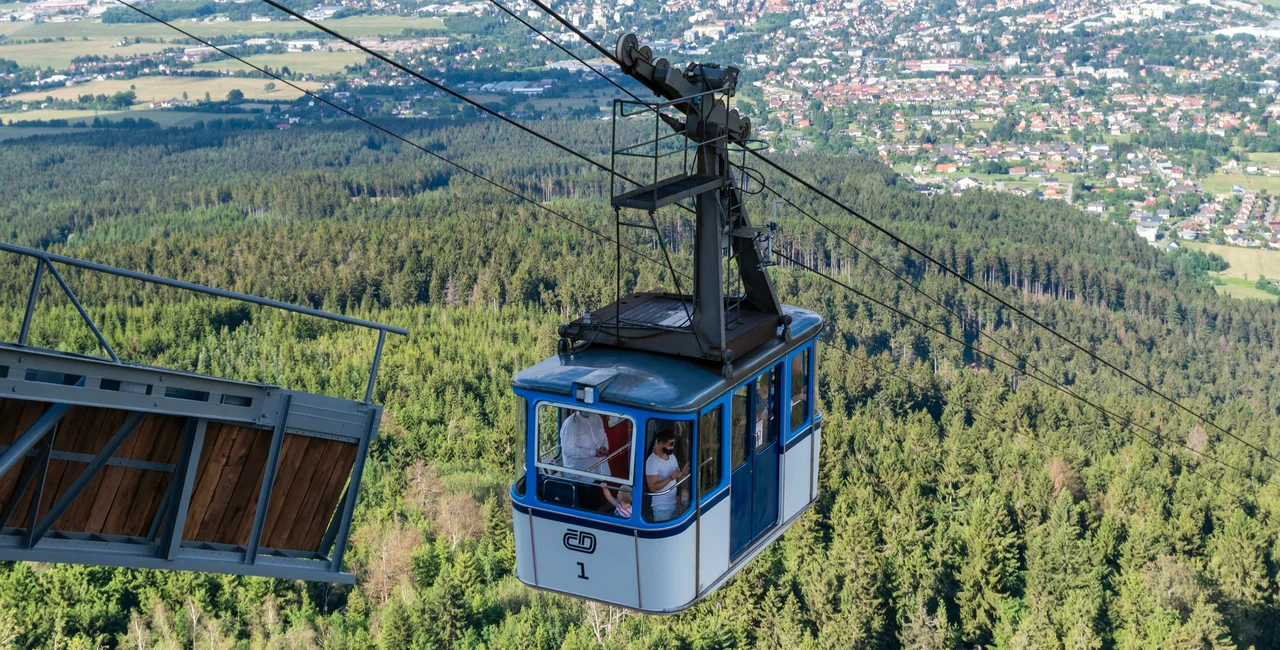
(627, 44)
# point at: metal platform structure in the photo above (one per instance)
(732, 308)
(106, 462)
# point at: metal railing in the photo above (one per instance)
(625, 108)
(45, 261)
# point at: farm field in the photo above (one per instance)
(7, 27)
(1221, 183)
(19, 132)
(1266, 158)
(59, 54)
(1242, 289)
(163, 88)
(308, 62)
(164, 117)
(1245, 263)
(356, 26)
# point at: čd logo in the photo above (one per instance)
(580, 541)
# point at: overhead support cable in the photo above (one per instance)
(811, 187)
(995, 421)
(455, 94)
(1134, 427)
(1031, 369)
(562, 48)
(590, 41)
(388, 132)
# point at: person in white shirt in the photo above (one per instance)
(661, 473)
(584, 443)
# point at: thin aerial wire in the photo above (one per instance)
(1011, 426)
(548, 10)
(590, 41)
(435, 84)
(1133, 426)
(1032, 369)
(457, 95)
(564, 49)
(1004, 302)
(387, 131)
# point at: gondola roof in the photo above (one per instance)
(657, 382)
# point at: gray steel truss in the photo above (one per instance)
(65, 380)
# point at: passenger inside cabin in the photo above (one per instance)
(584, 444)
(623, 506)
(764, 408)
(662, 473)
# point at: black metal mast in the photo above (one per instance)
(707, 325)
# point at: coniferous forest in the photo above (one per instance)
(963, 504)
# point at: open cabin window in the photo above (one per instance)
(522, 426)
(585, 459)
(667, 473)
(710, 443)
(738, 427)
(800, 388)
(765, 427)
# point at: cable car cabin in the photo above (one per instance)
(650, 479)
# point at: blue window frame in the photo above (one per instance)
(710, 452)
(800, 390)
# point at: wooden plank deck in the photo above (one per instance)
(310, 478)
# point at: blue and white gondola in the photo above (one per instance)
(756, 454)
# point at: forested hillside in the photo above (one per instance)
(966, 507)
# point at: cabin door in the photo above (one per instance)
(764, 472)
(741, 490)
(753, 433)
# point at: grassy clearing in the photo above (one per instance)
(1267, 158)
(7, 27)
(162, 117)
(58, 55)
(86, 38)
(357, 26)
(1247, 264)
(50, 114)
(1221, 183)
(308, 62)
(18, 132)
(151, 89)
(1242, 289)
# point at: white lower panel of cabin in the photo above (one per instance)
(797, 477)
(577, 559)
(713, 543)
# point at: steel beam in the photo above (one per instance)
(373, 372)
(144, 556)
(353, 489)
(19, 488)
(88, 320)
(268, 481)
(35, 433)
(178, 284)
(163, 508)
(37, 489)
(31, 303)
(192, 443)
(330, 533)
(38, 530)
(128, 463)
